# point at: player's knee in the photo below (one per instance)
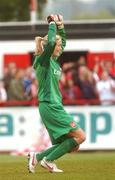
(81, 138)
(78, 135)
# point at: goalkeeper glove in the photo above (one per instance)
(50, 18)
(59, 21)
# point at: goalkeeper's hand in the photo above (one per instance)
(59, 21)
(51, 18)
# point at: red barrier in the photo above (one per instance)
(93, 57)
(21, 60)
(35, 102)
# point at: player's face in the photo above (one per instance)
(57, 49)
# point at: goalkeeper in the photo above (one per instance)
(65, 133)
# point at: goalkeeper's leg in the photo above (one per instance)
(75, 138)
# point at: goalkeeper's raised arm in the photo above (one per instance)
(60, 29)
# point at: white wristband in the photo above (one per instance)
(52, 22)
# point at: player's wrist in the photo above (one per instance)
(60, 26)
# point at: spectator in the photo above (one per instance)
(97, 69)
(3, 93)
(16, 89)
(106, 89)
(112, 70)
(9, 73)
(27, 80)
(81, 61)
(86, 83)
(34, 91)
(68, 89)
(34, 88)
(68, 66)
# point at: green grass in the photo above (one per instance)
(81, 166)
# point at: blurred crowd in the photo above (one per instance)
(78, 83)
(18, 84)
(97, 86)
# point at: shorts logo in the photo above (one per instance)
(73, 124)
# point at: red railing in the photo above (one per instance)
(35, 102)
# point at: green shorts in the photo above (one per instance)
(57, 121)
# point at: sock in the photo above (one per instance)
(40, 156)
(63, 148)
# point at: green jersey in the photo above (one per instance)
(48, 71)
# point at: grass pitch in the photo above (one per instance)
(80, 166)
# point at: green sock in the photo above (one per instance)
(63, 148)
(40, 156)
